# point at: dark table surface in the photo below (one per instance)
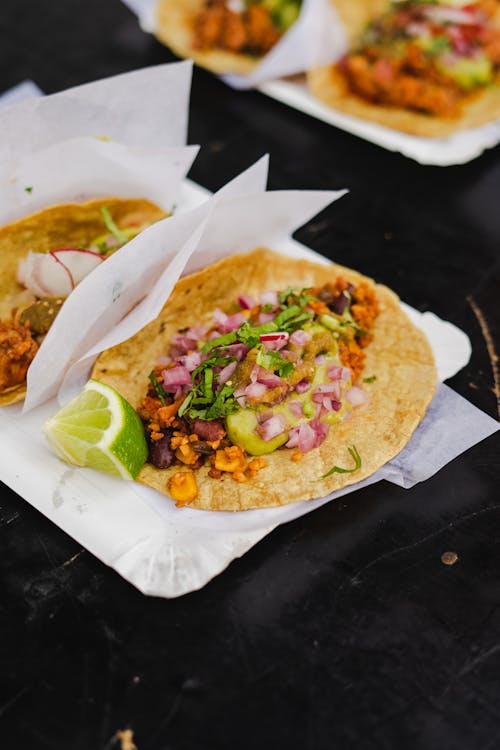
(343, 629)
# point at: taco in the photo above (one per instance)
(422, 67)
(224, 36)
(266, 380)
(44, 256)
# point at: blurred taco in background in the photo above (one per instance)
(267, 380)
(44, 256)
(224, 36)
(422, 67)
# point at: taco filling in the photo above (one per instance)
(425, 56)
(274, 371)
(268, 379)
(41, 281)
(239, 26)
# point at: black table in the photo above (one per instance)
(343, 629)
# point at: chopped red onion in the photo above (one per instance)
(320, 429)
(331, 388)
(219, 317)
(191, 361)
(293, 438)
(337, 372)
(307, 438)
(356, 396)
(269, 298)
(271, 380)
(302, 386)
(262, 375)
(232, 323)
(262, 416)
(226, 372)
(175, 376)
(246, 302)
(300, 338)
(272, 427)
(236, 350)
(296, 407)
(265, 317)
(255, 390)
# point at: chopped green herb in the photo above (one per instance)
(271, 360)
(371, 379)
(339, 470)
(185, 404)
(110, 224)
(28, 189)
(295, 296)
(160, 391)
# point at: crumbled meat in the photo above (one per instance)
(17, 350)
(217, 26)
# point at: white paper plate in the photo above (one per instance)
(456, 149)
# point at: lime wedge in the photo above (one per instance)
(99, 429)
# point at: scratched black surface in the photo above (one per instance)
(342, 629)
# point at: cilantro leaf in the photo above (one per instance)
(110, 224)
(160, 391)
(271, 360)
(339, 470)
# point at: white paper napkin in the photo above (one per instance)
(116, 107)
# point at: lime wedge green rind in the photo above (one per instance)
(99, 429)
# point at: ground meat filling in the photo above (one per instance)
(17, 351)
(251, 31)
(406, 59)
(177, 437)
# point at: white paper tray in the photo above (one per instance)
(456, 149)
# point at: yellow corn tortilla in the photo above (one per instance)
(65, 225)
(328, 85)
(399, 356)
(174, 26)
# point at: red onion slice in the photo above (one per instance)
(226, 372)
(175, 376)
(300, 338)
(356, 396)
(269, 298)
(246, 302)
(272, 427)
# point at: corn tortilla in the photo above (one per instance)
(64, 225)
(399, 356)
(174, 27)
(328, 85)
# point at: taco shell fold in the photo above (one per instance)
(61, 226)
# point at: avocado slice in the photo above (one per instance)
(241, 430)
(469, 72)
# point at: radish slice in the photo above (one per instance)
(45, 276)
(78, 262)
(54, 275)
(451, 15)
(276, 340)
